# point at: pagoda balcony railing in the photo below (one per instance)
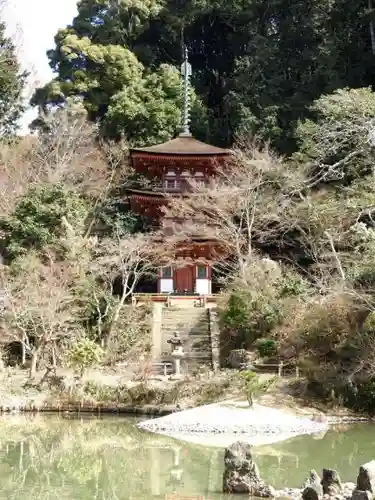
(174, 187)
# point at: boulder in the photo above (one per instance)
(366, 477)
(331, 482)
(313, 479)
(311, 492)
(361, 495)
(241, 474)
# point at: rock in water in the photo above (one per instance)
(366, 477)
(331, 482)
(311, 492)
(361, 495)
(313, 479)
(241, 475)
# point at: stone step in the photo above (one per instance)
(184, 326)
(193, 309)
(176, 326)
(196, 330)
(167, 334)
(187, 320)
(188, 357)
(186, 333)
(192, 323)
(201, 344)
(195, 338)
(188, 317)
(183, 313)
(171, 324)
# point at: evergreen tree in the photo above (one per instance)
(258, 65)
(12, 82)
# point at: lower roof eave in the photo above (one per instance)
(151, 194)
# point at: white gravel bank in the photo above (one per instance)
(220, 424)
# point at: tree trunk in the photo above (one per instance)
(249, 397)
(23, 351)
(54, 363)
(371, 26)
(33, 364)
(115, 317)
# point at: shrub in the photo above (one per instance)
(291, 285)
(247, 317)
(131, 339)
(84, 354)
(253, 386)
(361, 395)
(37, 219)
(266, 347)
(253, 309)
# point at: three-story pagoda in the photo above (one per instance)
(170, 166)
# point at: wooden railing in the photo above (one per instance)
(166, 365)
(167, 297)
(279, 367)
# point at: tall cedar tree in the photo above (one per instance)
(12, 83)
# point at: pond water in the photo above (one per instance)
(53, 457)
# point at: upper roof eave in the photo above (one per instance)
(182, 146)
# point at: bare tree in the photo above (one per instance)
(39, 306)
(17, 173)
(245, 202)
(340, 143)
(66, 152)
(122, 261)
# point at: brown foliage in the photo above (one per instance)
(321, 325)
(131, 338)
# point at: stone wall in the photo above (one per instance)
(215, 338)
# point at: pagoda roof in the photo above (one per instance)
(182, 146)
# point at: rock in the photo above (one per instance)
(366, 477)
(361, 495)
(331, 482)
(241, 475)
(313, 479)
(312, 492)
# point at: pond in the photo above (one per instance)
(110, 459)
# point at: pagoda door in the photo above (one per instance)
(184, 279)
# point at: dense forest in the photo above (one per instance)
(257, 65)
(288, 84)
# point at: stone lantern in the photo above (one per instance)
(177, 352)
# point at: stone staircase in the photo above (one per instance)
(192, 324)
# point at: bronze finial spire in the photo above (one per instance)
(186, 73)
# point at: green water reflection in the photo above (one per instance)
(60, 458)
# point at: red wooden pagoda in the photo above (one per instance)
(170, 166)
